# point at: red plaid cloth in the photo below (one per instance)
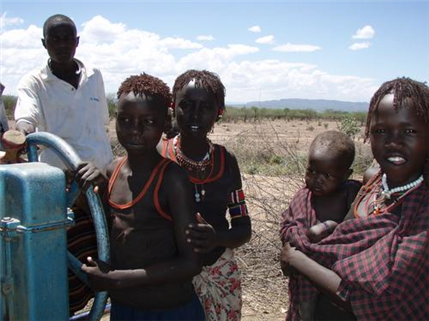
(382, 261)
(297, 219)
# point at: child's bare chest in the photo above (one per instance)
(132, 199)
(331, 208)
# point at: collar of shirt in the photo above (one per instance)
(47, 74)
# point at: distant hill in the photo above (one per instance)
(315, 104)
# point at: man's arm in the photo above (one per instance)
(28, 109)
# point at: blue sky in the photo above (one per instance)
(262, 50)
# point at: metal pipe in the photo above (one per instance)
(82, 316)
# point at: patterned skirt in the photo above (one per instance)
(219, 288)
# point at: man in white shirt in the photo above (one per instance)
(67, 98)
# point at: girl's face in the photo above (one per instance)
(196, 110)
(140, 122)
(399, 141)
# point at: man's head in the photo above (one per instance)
(60, 38)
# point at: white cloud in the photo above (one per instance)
(360, 45)
(255, 29)
(274, 79)
(101, 30)
(214, 59)
(179, 43)
(5, 21)
(296, 48)
(366, 32)
(205, 38)
(120, 51)
(267, 40)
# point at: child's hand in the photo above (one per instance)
(88, 174)
(318, 232)
(202, 236)
(286, 256)
(97, 272)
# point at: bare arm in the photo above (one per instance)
(204, 237)
(319, 231)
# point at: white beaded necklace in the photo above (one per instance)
(388, 192)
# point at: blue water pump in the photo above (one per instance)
(34, 217)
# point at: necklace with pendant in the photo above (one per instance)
(396, 194)
(198, 167)
(199, 196)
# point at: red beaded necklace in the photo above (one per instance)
(141, 194)
(198, 166)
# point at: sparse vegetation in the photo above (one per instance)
(255, 114)
(349, 126)
(9, 103)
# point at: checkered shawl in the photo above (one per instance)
(382, 261)
(297, 219)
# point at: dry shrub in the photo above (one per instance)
(276, 172)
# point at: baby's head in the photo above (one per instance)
(143, 103)
(330, 158)
(397, 126)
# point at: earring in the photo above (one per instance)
(220, 113)
(171, 109)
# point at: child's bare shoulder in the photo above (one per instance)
(112, 166)
(174, 174)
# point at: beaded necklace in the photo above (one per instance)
(375, 203)
(387, 192)
(196, 166)
(189, 163)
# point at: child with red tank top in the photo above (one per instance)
(150, 200)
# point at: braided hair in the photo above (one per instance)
(401, 88)
(203, 79)
(147, 85)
